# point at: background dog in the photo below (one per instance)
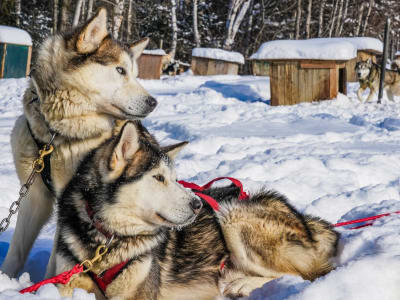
(174, 249)
(84, 81)
(368, 75)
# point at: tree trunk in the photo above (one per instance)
(77, 14)
(346, 6)
(195, 25)
(234, 20)
(308, 21)
(55, 16)
(66, 4)
(339, 18)
(129, 21)
(364, 28)
(333, 18)
(90, 9)
(360, 15)
(118, 17)
(321, 18)
(298, 19)
(18, 12)
(174, 29)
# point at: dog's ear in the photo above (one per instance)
(173, 150)
(93, 33)
(137, 47)
(126, 147)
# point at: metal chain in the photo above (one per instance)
(37, 167)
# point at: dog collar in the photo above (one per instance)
(96, 223)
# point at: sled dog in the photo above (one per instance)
(81, 84)
(368, 75)
(173, 245)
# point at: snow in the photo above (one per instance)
(339, 160)
(219, 54)
(13, 35)
(323, 49)
(154, 52)
(362, 43)
(397, 54)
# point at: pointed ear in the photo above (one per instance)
(126, 147)
(93, 33)
(173, 150)
(137, 47)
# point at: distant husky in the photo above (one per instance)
(173, 248)
(368, 75)
(82, 82)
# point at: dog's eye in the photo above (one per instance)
(159, 178)
(121, 70)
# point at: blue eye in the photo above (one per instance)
(121, 70)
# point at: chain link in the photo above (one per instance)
(38, 166)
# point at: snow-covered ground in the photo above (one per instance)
(336, 159)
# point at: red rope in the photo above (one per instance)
(372, 219)
(62, 278)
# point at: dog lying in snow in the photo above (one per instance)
(171, 244)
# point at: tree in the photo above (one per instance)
(174, 29)
(90, 9)
(65, 7)
(118, 17)
(55, 16)
(298, 19)
(321, 17)
(18, 12)
(195, 26)
(77, 14)
(237, 11)
(364, 28)
(308, 21)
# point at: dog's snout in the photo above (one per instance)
(151, 102)
(196, 205)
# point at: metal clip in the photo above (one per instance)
(88, 263)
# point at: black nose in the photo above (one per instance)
(196, 205)
(151, 102)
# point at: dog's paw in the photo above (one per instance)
(241, 287)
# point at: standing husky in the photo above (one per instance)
(368, 75)
(82, 82)
(170, 247)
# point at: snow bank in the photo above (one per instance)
(362, 43)
(219, 54)
(13, 35)
(154, 52)
(324, 49)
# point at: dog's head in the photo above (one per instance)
(140, 182)
(363, 68)
(89, 62)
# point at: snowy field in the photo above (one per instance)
(337, 159)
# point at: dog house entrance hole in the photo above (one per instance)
(342, 81)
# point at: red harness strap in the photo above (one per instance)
(371, 219)
(108, 276)
(210, 200)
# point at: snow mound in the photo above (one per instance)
(362, 43)
(154, 52)
(324, 49)
(13, 35)
(219, 54)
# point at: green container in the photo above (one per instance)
(15, 59)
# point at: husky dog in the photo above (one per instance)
(368, 75)
(82, 82)
(171, 247)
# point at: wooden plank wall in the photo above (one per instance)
(150, 66)
(3, 59)
(260, 68)
(291, 83)
(206, 66)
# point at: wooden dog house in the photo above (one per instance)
(305, 71)
(15, 52)
(209, 61)
(151, 63)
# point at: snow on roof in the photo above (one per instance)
(13, 35)
(219, 54)
(363, 43)
(154, 52)
(397, 53)
(323, 49)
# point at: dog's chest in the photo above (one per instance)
(66, 158)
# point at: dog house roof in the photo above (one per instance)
(319, 49)
(218, 54)
(154, 52)
(14, 35)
